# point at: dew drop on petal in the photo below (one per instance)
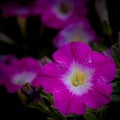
(89, 61)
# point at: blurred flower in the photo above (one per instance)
(14, 9)
(17, 9)
(78, 78)
(58, 13)
(20, 72)
(108, 52)
(80, 31)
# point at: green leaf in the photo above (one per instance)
(40, 107)
(89, 116)
(118, 73)
(72, 116)
(43, 108)
(116, 61)
(47, 97)
(116, 56)
(106, 28)
(116, 98)
(116, 87)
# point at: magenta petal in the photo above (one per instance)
(27, 63)
(53, 69)
(104, 66)
(50, 85)
(11, 88)
(103, 87)
(50, 77)
(75, 51)
(52, 22)
(67, 104)
(81, 29)
(64, 56)
(107, 70)
(98, 59)
(95, 99)
(60, 40)
(76, 106)
(80, 51)
(61, 100)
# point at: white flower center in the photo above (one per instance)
(78, 80)
(23, 78)
(63, 9)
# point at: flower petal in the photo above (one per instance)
(53, 69)
(95, 99)
(75, 51)
(102, 87)
(104, 66)
(76, 106)
(73, 105)
(64, 56)
(50, 85)
(11, 88)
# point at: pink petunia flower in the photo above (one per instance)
(20, 72)
(59, 13)
(78, 78)
(80, 31)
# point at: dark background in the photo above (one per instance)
(37, 44)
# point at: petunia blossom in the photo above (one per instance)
(78, 78)
(80, 31)
(20, 72)
(59, 13)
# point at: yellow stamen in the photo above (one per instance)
(78, 78)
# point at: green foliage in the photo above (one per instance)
(89, 116)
